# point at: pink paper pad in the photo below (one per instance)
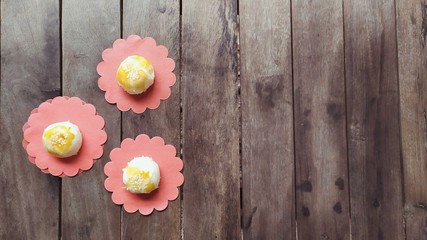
(170, 176)
(60, 109)
(163, 71)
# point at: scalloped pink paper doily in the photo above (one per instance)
(25, 144)
(60, 109)
(170, 176)
(163, 71)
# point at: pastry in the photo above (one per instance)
(62, 139)
(135, 74)
(141, 175)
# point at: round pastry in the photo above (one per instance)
(62, 139)
(135, 74)
(141, 175)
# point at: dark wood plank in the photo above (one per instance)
(411, 37)
(210, 120)
(88, 27)
(373, 120)
(267, 120)
(30, 74)
(320, 120)
(160, 20)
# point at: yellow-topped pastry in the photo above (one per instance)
(62, 139)
(135, 74)
(141, 175)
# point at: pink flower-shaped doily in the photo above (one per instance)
(163, 67)
(61, 109)
(170, 176)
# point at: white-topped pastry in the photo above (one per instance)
(62, 139)
(141, 175)
(135, 74)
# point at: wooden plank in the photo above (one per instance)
(373, 120)
(88, 27)
(211, 204)
(30, 74)
(160, 20)
(411, 37)
(267, 120)
(320, 120)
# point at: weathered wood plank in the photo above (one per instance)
(30, 74)
(210, 120)
(88, 27)
(373, 120)
(160, 20)
(320, 120)
(411, 37)
(267, 120)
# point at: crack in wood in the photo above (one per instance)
(249, 222)
(421, 205)
(425, 129)
(424, 24)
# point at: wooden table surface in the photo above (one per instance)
(295, 119)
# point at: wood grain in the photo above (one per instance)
(30, 74)
(160, 20)
(88, 27)
(373, 120)
(267, 120)
(411, 37)
(320, 121)
(210, 120)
